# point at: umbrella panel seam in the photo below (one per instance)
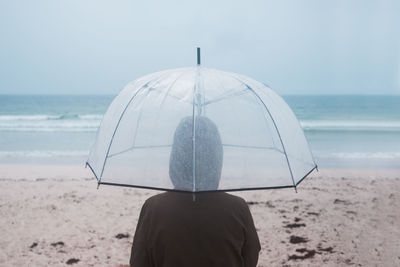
(122, 114)
(273, 121)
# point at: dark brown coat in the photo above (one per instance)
(216, 229)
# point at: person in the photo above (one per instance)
(195, 229)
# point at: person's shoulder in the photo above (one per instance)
(235, 199)
(237, 205)
(155, 199)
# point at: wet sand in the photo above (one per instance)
(54, 215)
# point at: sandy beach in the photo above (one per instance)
(56, 216)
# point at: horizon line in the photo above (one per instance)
(284, 94)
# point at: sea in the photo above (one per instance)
(343, 131)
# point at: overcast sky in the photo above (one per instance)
(296, 47)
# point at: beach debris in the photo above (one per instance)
(269, 204)
(340, 201)
(307, 254)
(120, 236)
(351, 212)
(295, 225)
(348, 262)
(72, 261)
(313, 213)
(34, 244)
(59, 243)
(51, 207)
(328, 249)
(297, 239)
(296, 219)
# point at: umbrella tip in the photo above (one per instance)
(198, 55)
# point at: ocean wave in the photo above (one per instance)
(91, 117)
(50, 126)
(43, 154)
(27, 117)
(350, 125)
(68, 117)
(45, 117)
(367, 155)
(47, 129)
(70, 122)
(50, 123)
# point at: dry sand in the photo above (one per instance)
(337, 218)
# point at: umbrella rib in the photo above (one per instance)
(140, 112)
(299, 159)
(163, 146)
(254, 147)
(273, 121)
(225, 96)
(90, 167)
(120, 118)
(167, 93)
(138, 120)
(170, 95)
(277, 130)
(165, 96)
(137, 147)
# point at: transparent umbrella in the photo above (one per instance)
(199, 129)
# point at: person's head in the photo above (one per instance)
(208, 155)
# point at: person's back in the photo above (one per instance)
(195, 229)
(214, 230)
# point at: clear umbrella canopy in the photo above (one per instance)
(199, 129)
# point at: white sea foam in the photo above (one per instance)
(367, 155)
(90, 123)
(50, 127)
(47, 129)
(91, 117)
(27, 117)
(43, 154)
(349, 125)
(50, 123)
(50, 117)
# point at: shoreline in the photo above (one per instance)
(34, 171)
